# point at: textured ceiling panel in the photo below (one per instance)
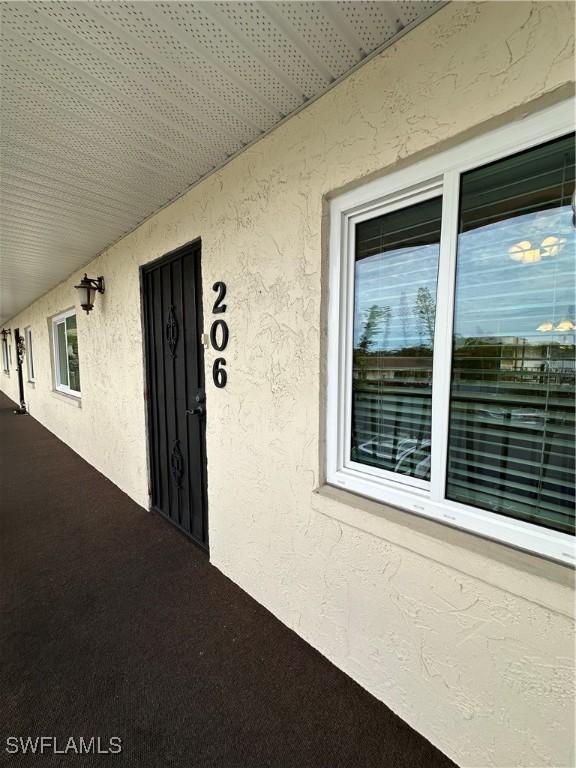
(112, 109)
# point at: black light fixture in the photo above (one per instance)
(86, 288)
(6, 332)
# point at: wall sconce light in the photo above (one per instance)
(564, 326)
(525, 252)
(6, 332)
(86, 288)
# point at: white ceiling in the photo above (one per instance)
(111, 109)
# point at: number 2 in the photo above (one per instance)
(220, 287)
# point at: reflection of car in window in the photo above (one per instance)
(408, 455)
(415, 461)
(513, 415)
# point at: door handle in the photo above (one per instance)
(198, 411)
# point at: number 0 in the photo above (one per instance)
(219, 345)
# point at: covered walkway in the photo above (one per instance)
(114, 624)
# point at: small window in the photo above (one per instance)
(66, 362)
(5, 355)
(451, 366)
(396, 269)
(30, 355)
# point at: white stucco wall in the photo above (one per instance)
(468, 641)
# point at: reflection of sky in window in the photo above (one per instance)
(392, 279)
(496, 296)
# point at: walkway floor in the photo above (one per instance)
(114, 624)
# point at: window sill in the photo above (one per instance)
(66, 397)
(31, 384)
(527, 575)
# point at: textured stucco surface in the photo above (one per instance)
(468, 641)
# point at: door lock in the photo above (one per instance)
(199, 409)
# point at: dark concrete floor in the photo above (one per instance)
(114, 624)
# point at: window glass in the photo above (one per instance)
(396, 268)
(511, 433)
(62, 361)
(29, 355)
(5, 355)
(72, 352)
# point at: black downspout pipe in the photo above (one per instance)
(19, 342)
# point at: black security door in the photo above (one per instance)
(176, 395)
(19, 342)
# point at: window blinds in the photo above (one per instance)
(511, 428)
(394, 312)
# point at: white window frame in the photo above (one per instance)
(439, 174)
(29, 354)
(56, 359)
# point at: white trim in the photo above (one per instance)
(396, 190)
(423, 192)
(443, 333)
(57, 320)
(29, 354)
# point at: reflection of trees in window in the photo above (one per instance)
(426, 313)
(375, 317)
(372, 324)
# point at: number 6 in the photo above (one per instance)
(219, 372)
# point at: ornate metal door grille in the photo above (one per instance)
(175, 379)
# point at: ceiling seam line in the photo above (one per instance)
(103, 110)
(261, 57)
(209, 123)
(64, 200)
(145, 169)
(345, 30)
(63, 195)
(23, 174)
(31, 234)
(18, 226)
(159, 19)
(165, 21)
(396, 21)
(49, 222)
(32, 204)
(294, 112)
(33, 241)
(305, 50)
(33, 251)
(345, 75)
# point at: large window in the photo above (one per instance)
(30, 355)
(66, 362)
(451, 377)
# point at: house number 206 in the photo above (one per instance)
(219, 335)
